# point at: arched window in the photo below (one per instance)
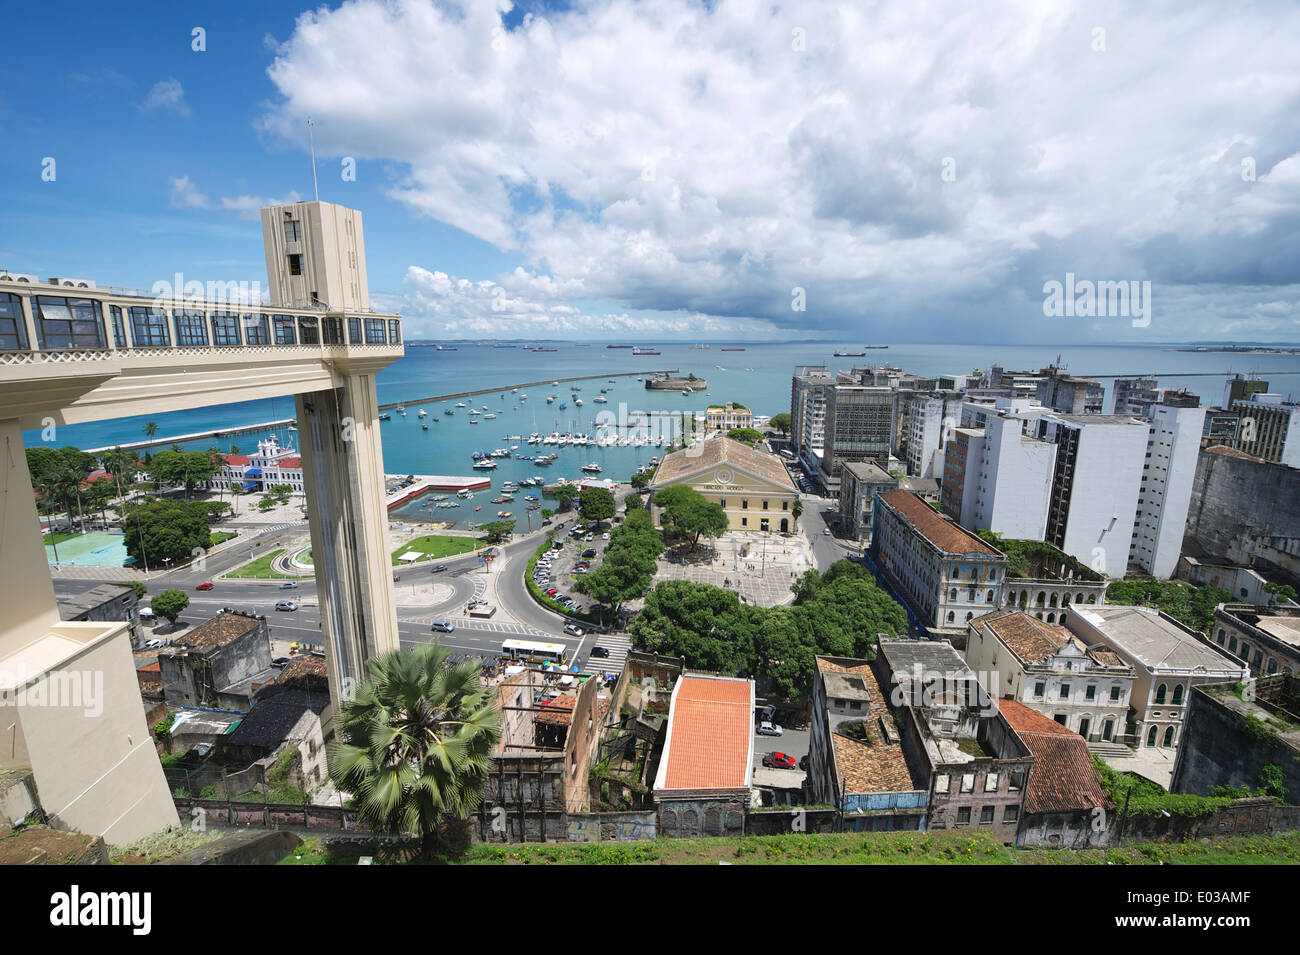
(1221, 636)
(951, 616)
(1051, 618)
(952, 594)
(1151, 737)
(1161, 690)
(1052, 602)
(989, 599)
(1178, 695)
(1169, 736)
(968, 616)
(1232, 644)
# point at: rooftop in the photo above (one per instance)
(943, 534)
(722, 450)
(1281, 623)
(94, 597)
(226, 627)
(1063, 778)
(865, 768)
(907, 658)
(710, 734)
(868, 471)
(269, 722)
(1154, 640)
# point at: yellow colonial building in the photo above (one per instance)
(753, 488)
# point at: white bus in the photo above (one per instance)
(526, 651)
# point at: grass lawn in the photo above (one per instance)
(434, 546)
(222, 536)
(262, 568)
(58, 537)
(882, 848)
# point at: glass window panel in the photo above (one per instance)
(331, 331)
(225, 329)
(68, 322)
(256, 331)
(310, 332)
(119, 326)
(354, 330)
(13, 334)
(394, 332)
(191, 328)
(284, 329)
(148, 327)
(374, 331)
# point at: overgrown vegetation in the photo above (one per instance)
(1191, 606)
(1151, 799)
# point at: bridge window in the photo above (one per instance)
(225, 329)
(331, 330)
(119, 327)
(308, 331)
(255, 329)
(68, 322)
(284, 333)
(191, 328)
(374, 331)
(354, 330)
(394, 332)
(13, 335)
(148, 327)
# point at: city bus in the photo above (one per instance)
(526, 651)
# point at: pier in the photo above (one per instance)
(526, 384)
(196, 436)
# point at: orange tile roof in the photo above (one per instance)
(948, 537)
(722, 450)
(1026, 636)
(863, 768)
(1063, 778)
(710, 726)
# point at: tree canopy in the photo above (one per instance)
(839, 613)
(628, 566)
(170, 604)
(1189, 605)
(781, 422)
(596, 504)
(688, 514)
(747, 436)
(497, 531)
(186, 468)
(172, 530)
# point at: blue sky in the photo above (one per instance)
(675, 170)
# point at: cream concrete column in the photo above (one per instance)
(26, 590)
(343, 476)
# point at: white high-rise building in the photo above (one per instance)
(931, 418)
(315, 256)
(1173, 444)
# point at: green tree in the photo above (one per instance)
(166, 530)
(781, 422)
(796, 511)
(187, 468)
(170, 604)
(596, 504)
(745, 435)
(564, 494)
(1281, 592)
(547, 513)
(497, 531)
(688, 514)
(705, 624)
(414, 744)
(640, 479)
(139, 588)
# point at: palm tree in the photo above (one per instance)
(413, 745)
(151, 428)
(796, 511)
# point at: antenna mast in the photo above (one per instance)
(311, 140)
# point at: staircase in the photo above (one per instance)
(1109, 750)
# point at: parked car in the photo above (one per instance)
(600, 651)
(779, 761)
(280, 662)
(589, 552)
(826, 531)
(573, 630)
(604, 536)
(206, 585)
(443, 626)
(286, 605)
(768, 728)
(552, 592)
(589, 538)
(289, 585)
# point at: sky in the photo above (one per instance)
(668, 170)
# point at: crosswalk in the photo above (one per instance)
(474, 623)
(618, 645)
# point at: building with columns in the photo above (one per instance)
(76, 354)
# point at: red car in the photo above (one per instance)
(206, 585)
(779, 761)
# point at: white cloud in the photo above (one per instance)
(167, 95)
(679, 158)
(185, 195)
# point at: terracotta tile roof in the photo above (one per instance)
(1234, 453)
(222, 629)
(1063, 778)
(290, 463)
(722, 450)
(559, 711)
(238, 460)
(710, 727)
(869, 769)
(948, 537)
(1026, 636)
(306, 670)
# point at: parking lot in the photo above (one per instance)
(792, 743)
(561, 566)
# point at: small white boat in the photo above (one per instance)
(423, 413)
(592, 468)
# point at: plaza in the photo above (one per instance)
(759, 567)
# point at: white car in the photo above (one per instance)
(768, 728)
(573, 630)
(604, 536)
(286, 605)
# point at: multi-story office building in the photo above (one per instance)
(930, 419)
(1168, 659)
(1168, 474)
(1241, 388)
(1048, 668)
(860, 481)
(1096, 479)
(1017, 384)
(995, 477)
(859, 427)
(808, 391)
(1066, 394)
(946, 575)
(1134, 395)
(1269, 428)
